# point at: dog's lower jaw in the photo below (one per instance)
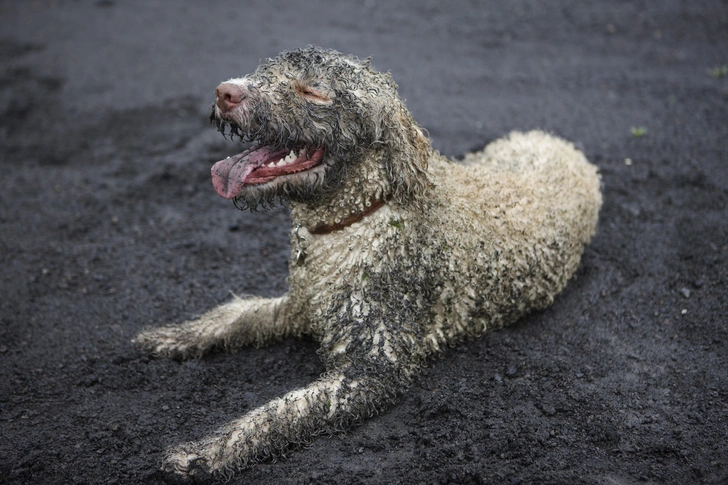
(365, 183)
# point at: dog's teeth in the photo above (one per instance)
(271, 165)
(291, 157)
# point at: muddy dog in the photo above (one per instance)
(397, 252)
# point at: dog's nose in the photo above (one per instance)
(229, 96)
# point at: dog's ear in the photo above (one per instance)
(408, 153)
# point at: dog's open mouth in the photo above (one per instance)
(261, 164)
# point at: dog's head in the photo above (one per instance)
(311, 115)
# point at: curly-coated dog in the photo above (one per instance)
(397, 252)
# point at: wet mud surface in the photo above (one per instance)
(109, 223)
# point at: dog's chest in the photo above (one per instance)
(323, 265)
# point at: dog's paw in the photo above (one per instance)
(170, 342)
(187, 464)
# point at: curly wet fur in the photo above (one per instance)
(458, 249)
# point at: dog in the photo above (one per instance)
(397, 252)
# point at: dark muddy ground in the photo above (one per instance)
(109, 223)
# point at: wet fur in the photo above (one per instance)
(459, 249)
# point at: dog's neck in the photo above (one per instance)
(352, 219)
(364, 190)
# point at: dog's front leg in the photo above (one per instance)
(334, 402)
(243, 321)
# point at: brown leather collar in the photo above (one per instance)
(352, 219)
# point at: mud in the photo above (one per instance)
(109, 223)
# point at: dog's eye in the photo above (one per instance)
(313, 94)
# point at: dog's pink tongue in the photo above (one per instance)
(228, 176)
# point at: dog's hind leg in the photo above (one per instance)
(243, 321)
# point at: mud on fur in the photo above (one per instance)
(397, 252)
